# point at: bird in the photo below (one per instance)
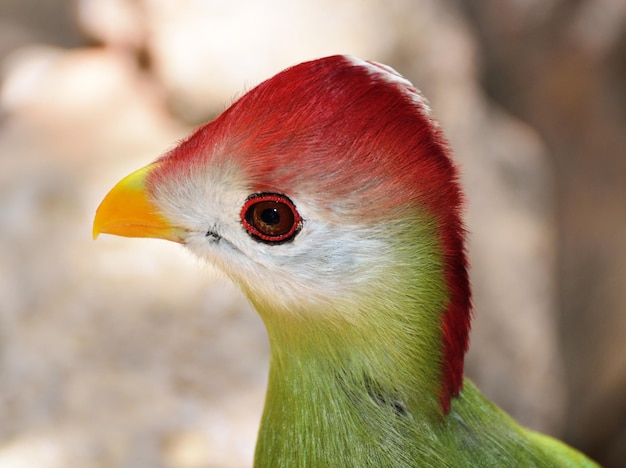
(328, 193)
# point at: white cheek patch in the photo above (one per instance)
(323, 263)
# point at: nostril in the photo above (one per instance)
(214, 236)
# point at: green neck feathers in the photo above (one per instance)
(357, 383)
(359, 379)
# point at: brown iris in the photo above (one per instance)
(270, 217)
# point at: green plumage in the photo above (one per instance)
(355, 384)
(337, 422)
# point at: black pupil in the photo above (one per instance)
(270, 216)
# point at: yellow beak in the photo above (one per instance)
(127, 211)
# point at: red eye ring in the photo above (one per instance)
(270, 217)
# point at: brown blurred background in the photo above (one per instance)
(129, 353)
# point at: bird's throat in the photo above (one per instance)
(354, 380)
(359, 374)
(351, 394)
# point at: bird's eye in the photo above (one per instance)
(270, 217)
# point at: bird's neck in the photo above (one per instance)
(352, 394)
(357, 384)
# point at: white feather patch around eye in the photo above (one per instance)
(324, 263)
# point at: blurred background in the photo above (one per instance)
(129, 353)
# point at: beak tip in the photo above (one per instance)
(96, 226)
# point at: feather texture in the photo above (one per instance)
(367, 303)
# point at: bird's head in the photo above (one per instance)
(328, 195)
